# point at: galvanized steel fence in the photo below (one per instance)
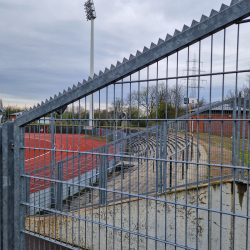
(165, 164)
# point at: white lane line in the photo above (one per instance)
(34, 147)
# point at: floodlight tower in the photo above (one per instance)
(91, 16)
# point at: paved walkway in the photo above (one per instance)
(139, 176)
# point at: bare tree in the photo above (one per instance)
(150, 98)
(117, 107)
(248, 79)
(176, 96)
(246, 88)
(201, 102)
(243, 92)
(146, 99)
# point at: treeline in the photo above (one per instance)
(139, 108)
(9, 110)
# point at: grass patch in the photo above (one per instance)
(219, 150)
(246, 158)
(97, 138)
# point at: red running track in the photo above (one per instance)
(37, 156)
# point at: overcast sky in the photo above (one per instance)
(44, 45)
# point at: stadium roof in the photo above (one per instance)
(224, 107)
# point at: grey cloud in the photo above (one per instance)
(44, 46)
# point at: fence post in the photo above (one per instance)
(8, 185)
(14, 188)
(20, 186)
(59, 197)
(1, 191)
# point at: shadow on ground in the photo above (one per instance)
(34, 243)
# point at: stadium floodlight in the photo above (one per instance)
(90, 10)
(91, 15)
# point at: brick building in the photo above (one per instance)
(14, 116)
(215, 126)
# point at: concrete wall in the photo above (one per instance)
(42, 198)
(207, 223)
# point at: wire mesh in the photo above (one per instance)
(152, 172)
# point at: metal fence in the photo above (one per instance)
(153, 171)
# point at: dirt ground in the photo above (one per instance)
(220, 152)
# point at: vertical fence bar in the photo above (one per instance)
(156, 162)
(243, 138)
(238, 137)
(100, 177)
(160, 177)
(53, 198)
(170, 172)
(8, 186)
(104, 176)
(192, 146)
(165, 157)
(182, 164)
(234, 134)
(59, 185)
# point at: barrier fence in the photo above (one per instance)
(164, 164)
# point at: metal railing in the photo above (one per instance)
(182, 151)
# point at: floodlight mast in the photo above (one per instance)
(91, 16)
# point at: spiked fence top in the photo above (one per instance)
(217, 21)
